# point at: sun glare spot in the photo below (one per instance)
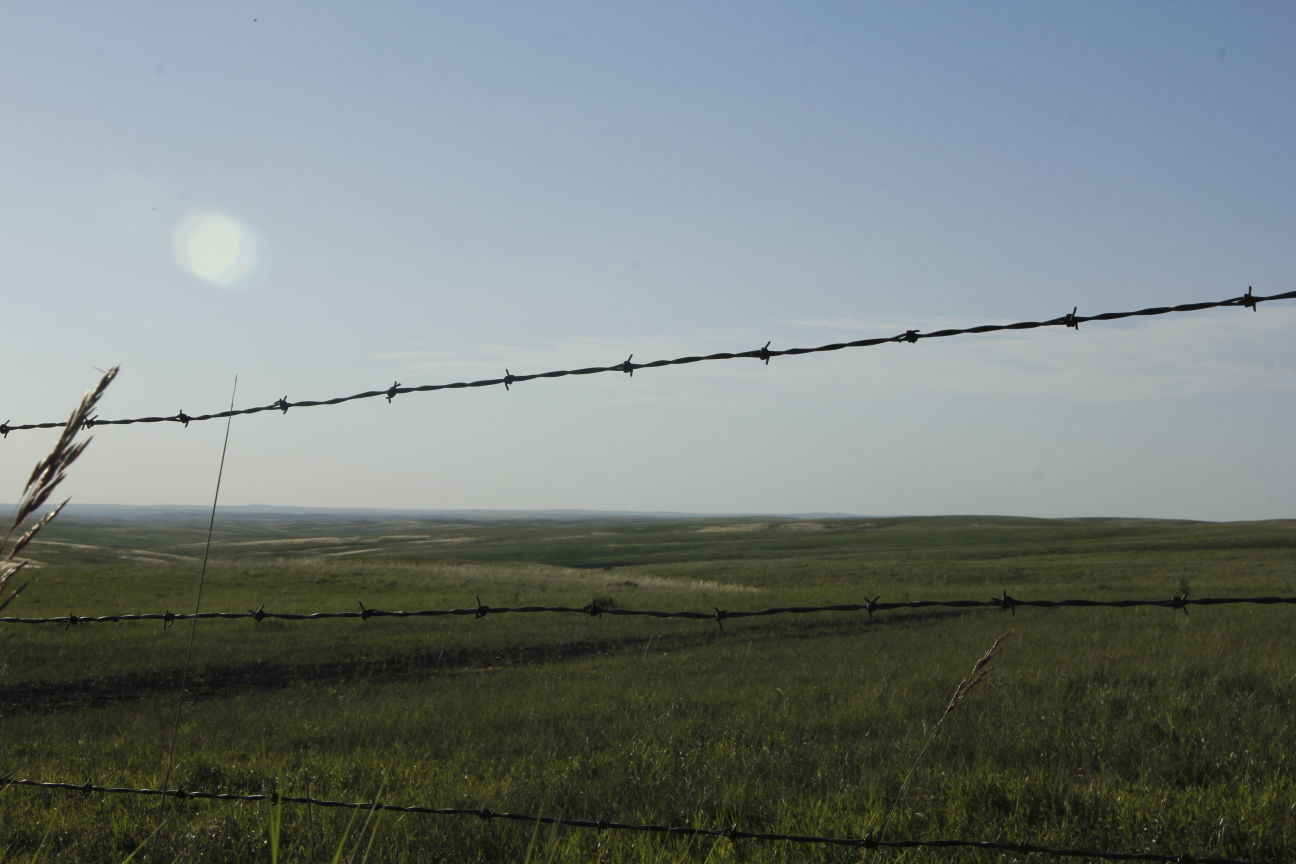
(215, 247)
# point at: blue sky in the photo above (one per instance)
(325, 197)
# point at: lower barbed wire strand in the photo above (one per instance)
(605, 824)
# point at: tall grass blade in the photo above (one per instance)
(980, 670)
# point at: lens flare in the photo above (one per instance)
(215, 247)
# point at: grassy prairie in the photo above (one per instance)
(1140, 730)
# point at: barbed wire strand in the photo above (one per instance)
(764, 354)
(732, 833)
(1005, 602)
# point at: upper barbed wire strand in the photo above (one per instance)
(1070, 320)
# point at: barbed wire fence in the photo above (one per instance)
(1071, 320)
(732, 833)
(874, 605)
(596, 609)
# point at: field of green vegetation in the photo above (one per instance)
(1136, 730)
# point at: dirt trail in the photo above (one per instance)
(216, 682)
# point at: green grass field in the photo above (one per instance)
(1139, 730)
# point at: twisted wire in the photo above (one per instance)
(731, 833)
(764, 354)
(870, 606)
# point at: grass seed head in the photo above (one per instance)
(45, 478)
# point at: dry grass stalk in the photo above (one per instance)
(45, 478)
(980, 670)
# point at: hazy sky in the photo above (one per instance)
(323, 198)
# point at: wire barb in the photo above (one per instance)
(1008, 603)
(393, 390)
(1070, 319)
(1249, 300)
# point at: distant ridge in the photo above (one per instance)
(289, 513)
(178, 511)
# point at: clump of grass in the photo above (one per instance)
(45, 478)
